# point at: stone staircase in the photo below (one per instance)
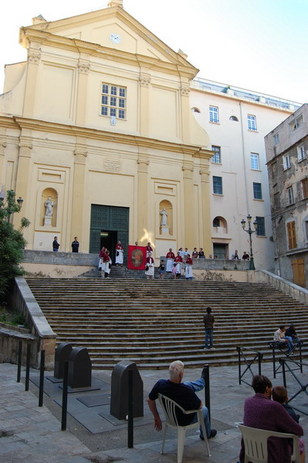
(152, 322)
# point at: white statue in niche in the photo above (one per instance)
(49, 204)
(164, 218)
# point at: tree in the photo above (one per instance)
(12, 242)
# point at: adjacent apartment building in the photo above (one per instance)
(236, 121)
(287, 153)
(104, 128)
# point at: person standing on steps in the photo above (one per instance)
(75, 245)
(106, 264)
(170, 259)
(149, 267)
(55, 244)
(119, 253)
(208, 320)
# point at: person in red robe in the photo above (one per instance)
(170, 259)
(178, 261)
(149, 267)
(149, 249)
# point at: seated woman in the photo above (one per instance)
(263, 413)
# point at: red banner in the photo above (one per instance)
(136, 257)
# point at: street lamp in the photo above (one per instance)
(250, 232)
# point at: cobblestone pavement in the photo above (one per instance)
(32, 434)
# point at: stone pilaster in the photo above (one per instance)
(83, 68)
(144, 88)
(189, 226)
(185, 112)
(143, 200)
(80, 156)
(34, 59)
(2, 163)
(205, 210)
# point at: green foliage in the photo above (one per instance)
(12, 243)
(11, 317)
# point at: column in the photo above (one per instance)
(189, 226)
(2, 163)
(23, 174)
(205, 210)
(144, 85)
(34, 59)
(80, 156)
(143, 201)
(83, 68)
(185, 112)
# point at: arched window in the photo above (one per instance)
(220, 225)
(195, 109)
(233, 118)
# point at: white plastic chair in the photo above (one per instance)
(169, 407)
(255, 441)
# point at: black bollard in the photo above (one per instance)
(64, 396)
(130, 417)
(283, 363)
(41, 386)
(207, 396)
(260, 357)
(28, 367)
(19, 361)
(239, 364)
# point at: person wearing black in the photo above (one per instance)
(291, 333)
(55, 244)
(208, 320)
(75, 245)
(183, 393)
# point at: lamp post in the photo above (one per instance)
(250, 232)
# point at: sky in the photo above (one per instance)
(259, 45)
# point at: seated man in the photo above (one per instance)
(263, 413)
(184, 395)
(279, 336)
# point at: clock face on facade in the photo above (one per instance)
(115, 38)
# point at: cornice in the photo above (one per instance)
(30, 35)
(120, 14)
(105, 136)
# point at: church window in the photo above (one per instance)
(113, 101)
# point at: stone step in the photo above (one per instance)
(153, 322)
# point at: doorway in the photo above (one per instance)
(220, 251)
(108, 225)
(298, 267)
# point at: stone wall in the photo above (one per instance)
(10, 336)
(287, 287)
(23, 301)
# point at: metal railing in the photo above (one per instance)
(243, 358)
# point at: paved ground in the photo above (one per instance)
(32, 434)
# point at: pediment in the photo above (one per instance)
(117, 30)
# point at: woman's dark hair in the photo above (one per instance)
(260, 383)
(208, 309)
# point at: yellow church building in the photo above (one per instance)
(98, 138)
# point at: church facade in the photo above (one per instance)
(99, 136)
